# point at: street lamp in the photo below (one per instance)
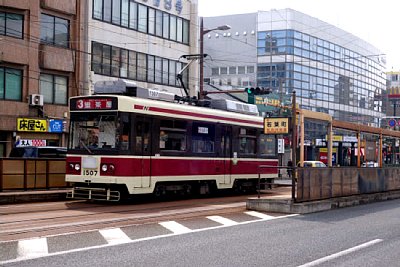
(202, 56)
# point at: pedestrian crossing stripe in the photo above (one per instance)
(38, 247)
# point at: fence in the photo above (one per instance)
(28, 174)
(324, 183)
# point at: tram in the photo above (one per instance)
(126, 140)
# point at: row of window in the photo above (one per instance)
(53, 30)
(301, 44)
(232, 70)
(142, 18)
(118, 62)
(54, 88)
(12, 25)
(173, 137)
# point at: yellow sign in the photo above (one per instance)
(276, 125)
(324, 149)
(31, 125)
(335, 138)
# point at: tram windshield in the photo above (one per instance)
(93, 132)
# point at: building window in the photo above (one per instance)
(232, 70)
(10, 84)
(214, 71)
(54, 30)
(250, 69)
(11, 25)
(224, 70)
(142, 18)
(129, 13)
(54, 88)
(241, 70)
(118, 62)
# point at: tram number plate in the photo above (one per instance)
(90, 172)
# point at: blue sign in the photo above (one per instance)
(392, 122)
(55, 126)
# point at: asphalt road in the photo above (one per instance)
(366, 235)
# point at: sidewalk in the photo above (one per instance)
(9, 197)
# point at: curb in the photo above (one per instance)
(32, 196)
(287, 205)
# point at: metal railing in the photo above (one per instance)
(31, 174)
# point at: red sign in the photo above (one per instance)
(94, 103)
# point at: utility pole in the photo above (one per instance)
(294, 145)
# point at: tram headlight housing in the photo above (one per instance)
(104, 168)
(77, 167)
(107, 168)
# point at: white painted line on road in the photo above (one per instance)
(175, 227)
(222, 220)
(32, 248)
(341, 253)
(145, 239)
(259, 215)
(114, 236)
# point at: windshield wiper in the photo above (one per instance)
(86, 147)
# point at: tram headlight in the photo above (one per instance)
(104, 167)
(112, 167)
(77, 167)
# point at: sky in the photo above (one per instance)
(377, 22)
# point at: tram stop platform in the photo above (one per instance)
(10, 197)
(280, 200)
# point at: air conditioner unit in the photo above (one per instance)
(36, 100)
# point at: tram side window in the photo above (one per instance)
(247, 141)
(203, 138)
(173, 135)
(267, 145)
(124, 130)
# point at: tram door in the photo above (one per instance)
(143, 148)
(226, 148)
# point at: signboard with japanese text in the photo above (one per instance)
(31, 125)
(276, 125)
(94, 103)
(29, 142)
(168, 4)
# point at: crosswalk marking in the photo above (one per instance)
(175, 227)
(32, 248)
(114, 236)
(259, 215)
(222, 220)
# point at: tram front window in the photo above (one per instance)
(94, 132)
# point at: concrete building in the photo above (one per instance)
(143, 41)
(40, 66)
(331, 70)
(53, 49)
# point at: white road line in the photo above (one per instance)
(175, 227)
(32, 248)
(341, 253)
(114, 236)
(143, 239)
(259, 215)
(222, 220)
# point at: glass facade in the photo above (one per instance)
(327, 77)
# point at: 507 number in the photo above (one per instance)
(89, 172)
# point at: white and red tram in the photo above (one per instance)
(122, 145)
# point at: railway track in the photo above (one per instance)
(57, 218)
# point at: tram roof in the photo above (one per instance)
(176, 110)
